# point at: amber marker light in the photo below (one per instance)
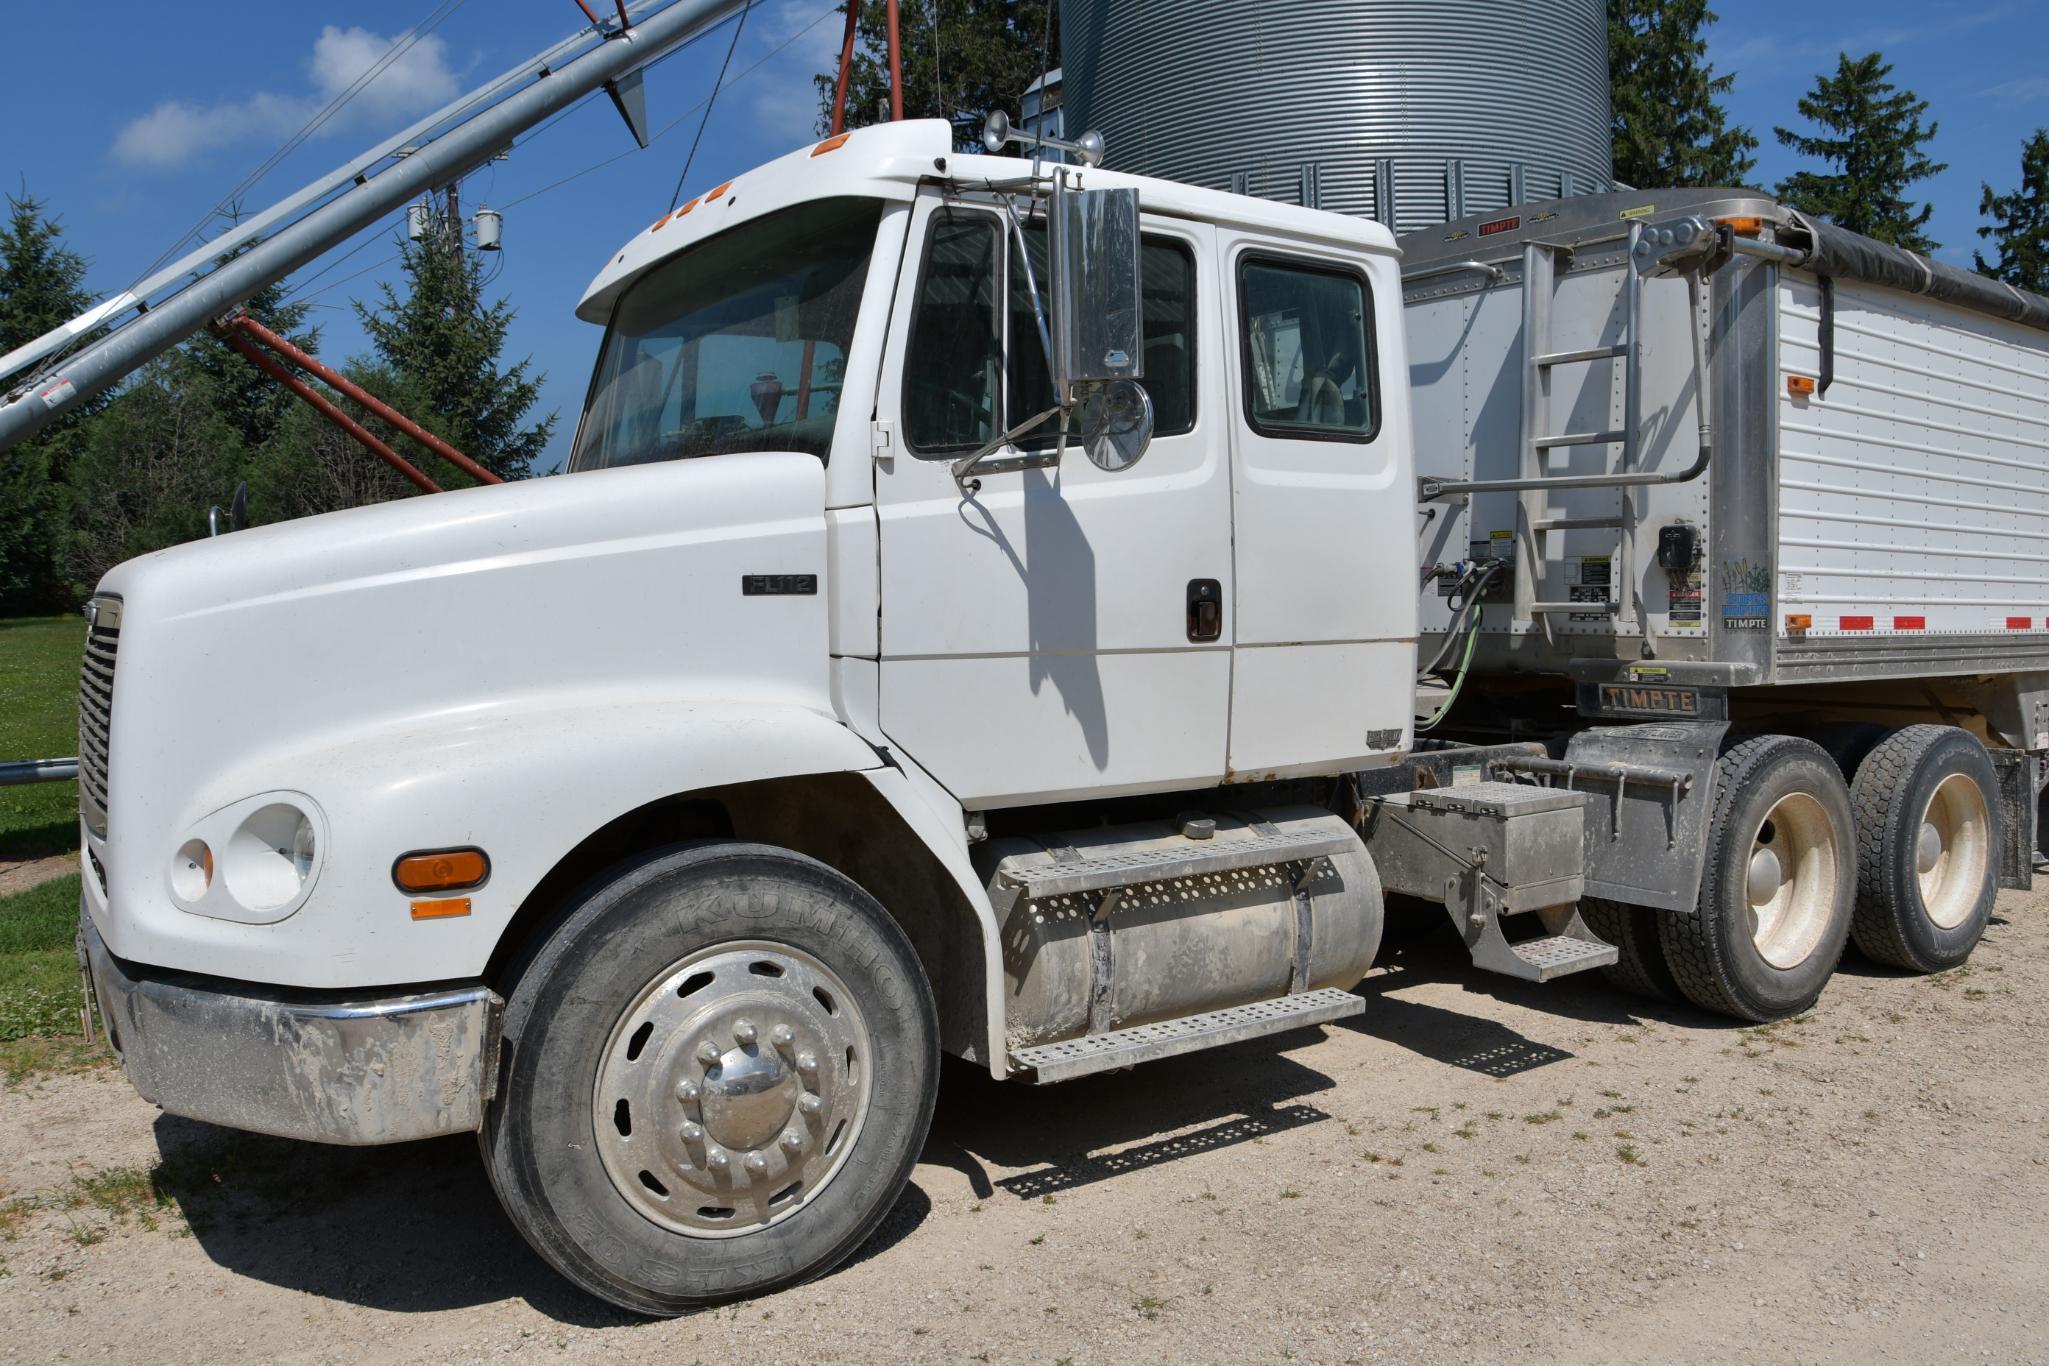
(831, 144)
(1800, 386)
(442, 909)
(441, 870)
(1743, 226)
(717, 192)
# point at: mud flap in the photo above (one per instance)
(1650, 795)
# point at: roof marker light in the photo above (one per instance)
(718, 192)
(831, 144)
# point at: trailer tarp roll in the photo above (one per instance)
(1846, 255)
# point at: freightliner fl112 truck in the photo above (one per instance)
(984, 613)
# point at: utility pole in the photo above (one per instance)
(453, 227)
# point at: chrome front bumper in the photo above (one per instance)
(316, 1066)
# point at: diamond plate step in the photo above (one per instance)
(1560, 954)
(1213, 1028)
(1094, 871)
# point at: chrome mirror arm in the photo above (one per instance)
(965, 466)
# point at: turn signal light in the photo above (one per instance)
(441, 870)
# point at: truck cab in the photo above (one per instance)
(857, 692)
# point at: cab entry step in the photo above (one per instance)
(1072, 1058)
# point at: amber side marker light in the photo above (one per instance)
(1800, 386)
(1799, 621)
(441, 870)
(442, 909)
(1744, 226)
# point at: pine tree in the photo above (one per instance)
(1870, 132)
(441, 343)
(1667, 122)
(42, 286)
(2020, 223)
(960, 59)
(253, 403)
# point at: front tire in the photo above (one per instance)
(1776, 888)
(1928, 851)
(720, 1068)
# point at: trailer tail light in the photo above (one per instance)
(831, 144)
(441, 910)
(441, 870)
(1800, 386)
(1744, 225)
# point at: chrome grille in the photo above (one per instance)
(96, 709)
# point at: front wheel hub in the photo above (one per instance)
(732, 1089)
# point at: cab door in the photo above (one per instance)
(1324, 648)
(1044, 637)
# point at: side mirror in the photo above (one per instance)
(1098, 319)
(1115, 422)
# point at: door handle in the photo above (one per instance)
(1205, 610)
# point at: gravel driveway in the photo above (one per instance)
(1474, 1170)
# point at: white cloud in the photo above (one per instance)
(2026, 90)
(420, 79)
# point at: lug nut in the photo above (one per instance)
(810, 1104)
(793, 1140)
(756, 1163)
(687, 1092)
(807, 1063)
(744, 1031)
(715, 1160)
(693, 1133)
(708, 1053)
(782, 1036)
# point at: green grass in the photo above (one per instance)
(39, 720)
(39, 985)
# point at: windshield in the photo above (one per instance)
(738, 344)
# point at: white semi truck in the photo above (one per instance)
(859, 694)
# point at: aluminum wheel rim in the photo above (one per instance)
(732, 1089)
(1952, 849)
(1791, 879)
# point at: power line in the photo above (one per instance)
(767, 57)
(710, 100)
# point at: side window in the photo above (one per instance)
(953, 385)
(1308, 351)
(963, 386)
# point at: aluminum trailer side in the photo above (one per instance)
(1875, 507)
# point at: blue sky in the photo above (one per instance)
(132, 133)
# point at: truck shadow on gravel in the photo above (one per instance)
(413, 1228)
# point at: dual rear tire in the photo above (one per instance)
(1904, 859)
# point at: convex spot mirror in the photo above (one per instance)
(1115, 421)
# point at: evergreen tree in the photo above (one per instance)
(252, 401)
(440, 342)
(1870, 132)
(960, 59)
(2020, 223)
(42, 286)
(1665, 113)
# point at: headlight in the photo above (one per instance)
(253, 861)
(269, 858)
